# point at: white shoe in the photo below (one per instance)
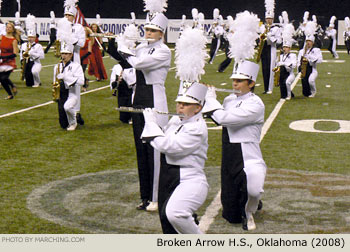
(288, 97)
(152, 207)
(312, 95)
(251, 224)
(269, 92)
(72, 127)
(36, 85)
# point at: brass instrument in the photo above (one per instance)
(262, 40)
(25, 60)
(277, 71)
(57, 48)
(56, 85)
(304, 62)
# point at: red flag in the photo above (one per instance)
(79, 18)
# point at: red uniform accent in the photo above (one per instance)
(96, 66)
(6, 48)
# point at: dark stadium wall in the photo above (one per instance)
(323, 9)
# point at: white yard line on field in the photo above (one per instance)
(49, 102)
(213, 209)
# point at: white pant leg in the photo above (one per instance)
(185, 200)
(334, 48)
(69, 107)
(36, 71)
(77, 92)
(272, 65)
(156, 162)
(312, 80)
(255, 184)
(289, 82)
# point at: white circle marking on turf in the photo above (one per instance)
(309, 126)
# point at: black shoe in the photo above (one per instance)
(80, 119)
(10, 97)
(260, 205)
(195, 217)
(143, 205)
(265, 92)
(244, 223)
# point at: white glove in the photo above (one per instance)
(210, 93)
(280, 63)
(150, 115)
(60, 76)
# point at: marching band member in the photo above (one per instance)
(308, 58)
(151, 62)
(286, 63)
(332, 35)
(71, 79)
(346, 34)
(318, 33)
(228, 32)
(269, 53)
(53, 31)
(8, 51)
(183, 186)
(243, 169)
(32, 53)
(216, 32)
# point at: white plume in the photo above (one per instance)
(285, 17)
(314, 19)
(270, 5)
(70, 2)
(133, 17)
(98, 19)
(310, 28)
(280, 18)
(190, 55)
(333, 18)
(52, 14)
(183, 20)
(229, 22)
(347, 22)
(246, 32)
(306, 17)
(194, 13)
(216, 13)
(17, 16)
(200, 18)
(288, 32)
(64, 29)
(130, 36)
(19, 6)
(154, 6)
(30, 23)
(0, 6)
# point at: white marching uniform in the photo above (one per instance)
(346, 36)
(36, 53)
(288, 63)
(332, 34)
(216, 33)
(183, 184)
(2, 29)
(152, 62)
(242, 118)
(268, 58)
(314, 56)
(73, 78)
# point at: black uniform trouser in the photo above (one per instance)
(223, 65)
(282, 82)
(266, 65)
(145, 153)
(28, 74)
(52, 39)
(6, 82)
(214, 43)
(234, 194)
(305, 81)
(62, 116)
(169, 179)
(330, 46)
(124, 99)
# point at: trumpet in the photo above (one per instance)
(140, 110)
(104, 35)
